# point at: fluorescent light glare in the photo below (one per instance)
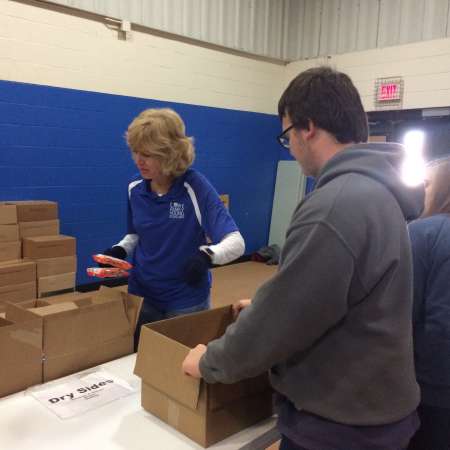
(413, 141)
(413, 169)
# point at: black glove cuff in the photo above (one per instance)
(197, 267)
(116, 252)
(207, 257)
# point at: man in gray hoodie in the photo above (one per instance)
(333, 326)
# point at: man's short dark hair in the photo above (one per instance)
(330, 100)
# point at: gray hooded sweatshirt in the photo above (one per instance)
(333, 326)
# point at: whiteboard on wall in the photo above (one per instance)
(290, 188)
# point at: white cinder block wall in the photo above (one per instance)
(425, 67)
(41, 46)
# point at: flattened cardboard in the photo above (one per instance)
(98, 330)
(205, 413)
(49, 246)
(20, 353)
(237, 281)
(39, 228)
(34, 210)
(8, 214)
(55, 283)
(9, 233)
(17, 272)
(56, 266)
(10, 251)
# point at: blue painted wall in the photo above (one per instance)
(284, 155)
(67, 146)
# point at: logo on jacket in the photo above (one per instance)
(176, 210)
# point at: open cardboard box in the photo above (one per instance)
(206, 413)
(20, 353)
(82, 330)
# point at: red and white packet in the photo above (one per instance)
(106, 272)
(115, 262)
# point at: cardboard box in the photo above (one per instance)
(14, 293)
(10, 251)
(54, 283)
(38, 228)
(49, 246)
(17, 272)
(99, 329)
(8, 214)
(9, 233)
(20, 353)
(56, 266)
(205, 413)
(33, 210)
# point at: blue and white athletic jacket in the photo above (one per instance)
(165, 231)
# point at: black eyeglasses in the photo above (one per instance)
(283, 138)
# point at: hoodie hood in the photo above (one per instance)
(381, 162)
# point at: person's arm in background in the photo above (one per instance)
(290, 312)
(419, 249)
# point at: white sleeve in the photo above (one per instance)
(228, 249)
(128, 243)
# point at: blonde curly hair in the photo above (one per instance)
(160, 134)
(437, 198)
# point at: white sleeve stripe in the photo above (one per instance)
(231, 247)
(194, 202)
(129, 243)
(132, 185)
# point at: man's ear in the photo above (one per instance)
(311, 131)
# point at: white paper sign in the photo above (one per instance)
(78, 394)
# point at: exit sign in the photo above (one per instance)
(388, 92)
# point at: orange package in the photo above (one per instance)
(106, 272)
(115, 262)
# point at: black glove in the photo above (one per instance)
(197, 267)
(116, 252)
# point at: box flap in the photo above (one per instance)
(19, 313)
(54, 309)
(158, 363)
(25, 330)
(76, 297)
(132, 303)
(198, 328)
(85, 327)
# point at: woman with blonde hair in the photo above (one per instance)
(172, 210)
(430, 238)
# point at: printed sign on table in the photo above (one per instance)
(81, 393)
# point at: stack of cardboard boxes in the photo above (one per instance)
(56, 262)
(17, 277)
(45, 338)
(54, 254)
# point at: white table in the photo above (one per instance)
(121, 425)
